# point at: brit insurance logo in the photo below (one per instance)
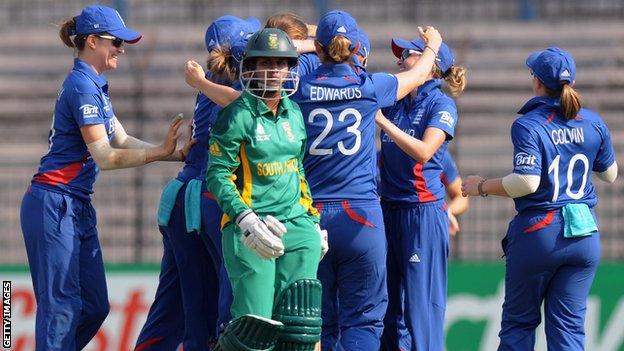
(524, 160)
(447, 118)
(89, 111)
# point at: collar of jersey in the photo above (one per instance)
(428, 87)
(335, 69)
(256, 105)
(83, 67)
(537, 102)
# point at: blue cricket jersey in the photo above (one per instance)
(562, 152)
(449, 169)
(402, 178)
(339, 106)
(206, 111)
(83, 100)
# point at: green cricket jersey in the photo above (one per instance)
(256, 160)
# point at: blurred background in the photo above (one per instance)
(491, 39)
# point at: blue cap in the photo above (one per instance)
(226, 29)
(365, 46)
(552, 67)
(101, 19)
(335, 23)
(444, 60)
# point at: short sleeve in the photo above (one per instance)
(443, 115)
(386, 86)
(86, 109)
(606, 155)
(527, 156)
(307, 63)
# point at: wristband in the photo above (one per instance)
(480, 188)
(430, 48)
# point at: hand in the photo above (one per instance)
(324, 242)
(470, 186)
(186, 148)
(453, 224)
(431, 36)
(275, 226)
(380, 119)
(168, 147)
(193, 74)
(257, 236)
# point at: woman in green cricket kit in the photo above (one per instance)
(271, 238)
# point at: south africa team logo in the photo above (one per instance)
(273, 41)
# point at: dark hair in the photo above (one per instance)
(569, 99)
(290, 23)
(67, 30)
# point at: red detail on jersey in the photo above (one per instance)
(318, 206)
(209, 195)
(424, 195)
(60, 176)
(545, 222)
(551, 117)
(354, 215)
(145, 345)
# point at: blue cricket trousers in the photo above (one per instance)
(418, 247)
(186, 308)
(66, 267)
(543, 266)
(353, 274)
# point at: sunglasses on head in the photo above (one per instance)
(116, 41)
(409, 52)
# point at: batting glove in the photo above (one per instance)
(324, 243)
(257, 236)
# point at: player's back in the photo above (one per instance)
(339, 106)
(567, 151)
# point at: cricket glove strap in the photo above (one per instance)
(324, 243)
(257, 236)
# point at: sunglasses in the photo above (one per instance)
(409, 52)
(116, 41)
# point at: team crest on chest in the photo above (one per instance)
(273, 41)
(288, 131)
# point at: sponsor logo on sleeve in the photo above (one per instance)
(89, 111)
(447, 118)
(524, 160)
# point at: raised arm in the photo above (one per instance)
(417, 75)
(221, 95)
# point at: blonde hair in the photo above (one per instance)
(338, 49)
(570, 101)
(455, 79)
(222, 64)
(68, 28)
(290, 23)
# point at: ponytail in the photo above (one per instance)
(570, 102)
(222, 64)
(338, 49)
(67, 30)
(455, 78)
